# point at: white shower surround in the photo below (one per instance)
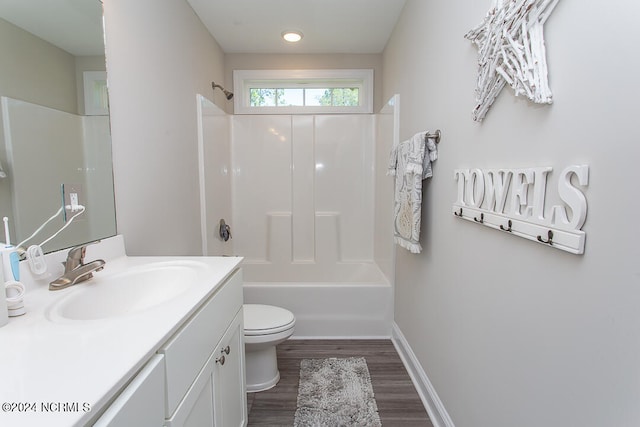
(303, 191)
(311, 214)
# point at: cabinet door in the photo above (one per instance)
(196, 409)
(230, 396)
(201, 413)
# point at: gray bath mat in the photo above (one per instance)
(336, 392)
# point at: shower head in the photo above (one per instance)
(227, 93)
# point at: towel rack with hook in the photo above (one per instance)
(436, 135)
(567, 240)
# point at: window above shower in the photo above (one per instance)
(344, 91)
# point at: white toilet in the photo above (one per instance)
(265, 326)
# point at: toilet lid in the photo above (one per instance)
(262, 319)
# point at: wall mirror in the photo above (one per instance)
(54, 123)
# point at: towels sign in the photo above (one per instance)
(513, 200)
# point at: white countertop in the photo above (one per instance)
(60, 372)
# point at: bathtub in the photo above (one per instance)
(355, 300)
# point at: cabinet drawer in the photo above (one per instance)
(187, 352)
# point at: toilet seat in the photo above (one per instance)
(260, 319)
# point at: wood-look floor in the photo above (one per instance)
(398, 402)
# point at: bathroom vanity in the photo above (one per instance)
(149, 341)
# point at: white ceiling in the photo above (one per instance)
(329, 26)
(239, 26)
(72, 25)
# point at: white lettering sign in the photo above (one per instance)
(525, 190)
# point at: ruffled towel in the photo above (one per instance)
(410, 163)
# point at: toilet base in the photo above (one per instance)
(261, 368)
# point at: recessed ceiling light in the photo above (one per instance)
(292, 36)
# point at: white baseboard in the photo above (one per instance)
(437, 412)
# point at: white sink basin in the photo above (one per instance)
(128, 292)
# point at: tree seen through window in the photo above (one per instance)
(287, 97)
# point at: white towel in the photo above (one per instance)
(410, 162)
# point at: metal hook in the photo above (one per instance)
(481, 220)
(435, 136)
(458, 213)
(549, 238)
(508, 228)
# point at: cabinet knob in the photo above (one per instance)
(220, 360)
(226, 350)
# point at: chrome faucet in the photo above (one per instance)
(75, 270)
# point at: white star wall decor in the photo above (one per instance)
(511, 50)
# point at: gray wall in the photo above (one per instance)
(159, 56)
(36, 71)
(510, 332)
